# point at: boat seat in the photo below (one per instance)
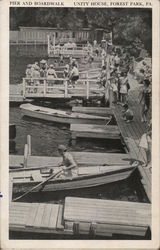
(37, 176)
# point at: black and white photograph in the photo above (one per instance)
(80, 122)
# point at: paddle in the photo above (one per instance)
(38, 185)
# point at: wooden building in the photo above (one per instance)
(40, 35)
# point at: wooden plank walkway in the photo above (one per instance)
(107, 216)
(94, 131)
(82, 159)
(35, 217)
(133, 131)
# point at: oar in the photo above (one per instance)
(38, 185)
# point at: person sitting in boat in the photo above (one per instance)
(68, 165)
(74, 75)
(51, 74)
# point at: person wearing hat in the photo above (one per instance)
(68, 164)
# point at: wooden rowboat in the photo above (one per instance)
(55, 115)
(24, 180)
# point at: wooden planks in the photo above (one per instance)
(33, 216)
(82, 158)
(93, 110)
(94, 131)
(18, 213)
(115, 215)
(96, 159)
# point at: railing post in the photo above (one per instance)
(48, 45)
(25, 155)
(87, 87)
(24, 88)
(65, 88)
(45, 87)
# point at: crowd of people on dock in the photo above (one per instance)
(118, 69)
(43, 70)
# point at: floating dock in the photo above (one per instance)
(82, 159)
(93, 110)
(81, 216)
(94, 131)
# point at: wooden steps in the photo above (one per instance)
(94, 131)
(113, 217)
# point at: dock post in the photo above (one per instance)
(65, 89)
(10, 189)
(76, 228)
(24, 88)
(25, 155)
(92, 230)
(87, 87)
(29, 144)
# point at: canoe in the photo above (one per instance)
(60, 116)
(24, 180)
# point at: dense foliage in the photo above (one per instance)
(127, 24)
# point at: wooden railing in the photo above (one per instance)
(59, 87)
(77, 51)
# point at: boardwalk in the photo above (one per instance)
(132, 133)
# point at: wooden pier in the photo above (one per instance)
(81, 216)
(94, 131)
